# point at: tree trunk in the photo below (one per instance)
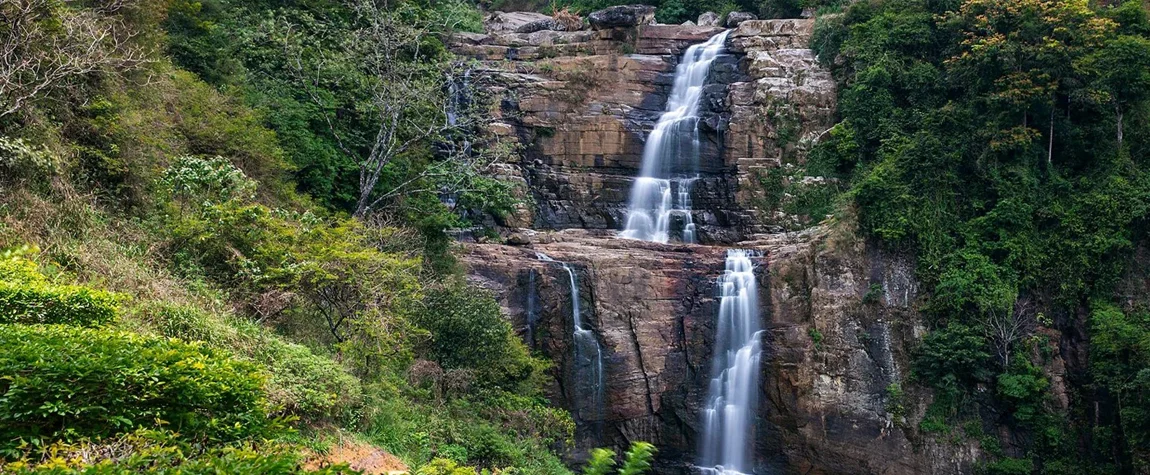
(1118, 113)
(1050, 145)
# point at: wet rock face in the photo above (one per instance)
(580, 104)
(839, 319)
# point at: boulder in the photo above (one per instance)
(708, 19)
(510, 21)
(735, 18)
(537, 25)
(688, 23)
(622, 16)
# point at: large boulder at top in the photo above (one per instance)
(708, 19)
(511, 21)
(538, 25)
(622, 16)
(734, 18)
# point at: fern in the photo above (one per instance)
(601, 463)
(638, 459)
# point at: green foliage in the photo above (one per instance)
(468, 331)
(444, 467)
(302, 383)
(951, 356)
(1120, 359)
(816, 337)
(895, 400)
(491, 432)
(601, 463)
(638, 459)
(150, 451)
(205, 181)
(1004, 142)
(1008, 466)
(67, 383)
(26, 296)
(1023, 386)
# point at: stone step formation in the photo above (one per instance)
(706, 349)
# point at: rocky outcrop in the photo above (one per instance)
(510, 21)
(580, 104)
(840, 318)
(708, 19)
(735, 19)
(622, 16)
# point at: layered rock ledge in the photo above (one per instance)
(579, 104)
(840, 322)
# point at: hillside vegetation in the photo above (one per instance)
(1006, 144)
(183, 286)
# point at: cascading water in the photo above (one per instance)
(727, 418)
(588, 353)
(662, 192)
(532, 308)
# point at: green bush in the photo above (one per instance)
(302, 383)
(66, 383)
(444, 467)
(952, 353)
(1009, 466)
(26, 296)
(468, 331)
(150, 451)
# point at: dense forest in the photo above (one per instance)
(1006, 144)
(226, 230)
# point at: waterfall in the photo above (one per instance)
(532, 308)
(662, 192)
(728, 432)
(588, 353)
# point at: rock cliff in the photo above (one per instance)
(840, 316)
(580, 103)
(840, 320)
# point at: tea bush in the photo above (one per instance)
(26, 296)
(65, 383)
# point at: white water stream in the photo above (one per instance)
(728, 429)
(587, 350)
(661, 196)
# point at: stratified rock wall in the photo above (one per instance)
(840, 316)
(840, 320)
(580, 104)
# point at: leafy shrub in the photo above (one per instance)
(1009, 466)
(444, 467)
(206, 180)
(26, 296)
(154, 451)
(67, 383)
(1023, 386)
(302, 383)
(953, 352)
(468, 331)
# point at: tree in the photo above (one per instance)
(1120, 75)
(1005, 328)
(416, 100)
(1017, 55)
(45, 43)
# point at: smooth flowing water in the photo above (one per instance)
(661, 197)
(728, 429)
(532, 308)
(588, 353)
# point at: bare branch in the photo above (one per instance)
(34, 59)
